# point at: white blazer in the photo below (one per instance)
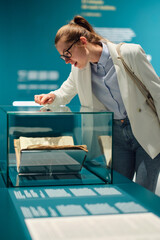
(144, 123)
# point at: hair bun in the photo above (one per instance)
(79, 20)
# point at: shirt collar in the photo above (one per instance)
(104, 55)
(103, 58)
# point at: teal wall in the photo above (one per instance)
(29, 62)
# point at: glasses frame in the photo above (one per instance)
(63, 56)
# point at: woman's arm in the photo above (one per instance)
(61, 96)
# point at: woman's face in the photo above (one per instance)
(79, 52)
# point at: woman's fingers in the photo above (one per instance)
(44, 98)
(37, 98)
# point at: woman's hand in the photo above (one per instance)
(43, 99)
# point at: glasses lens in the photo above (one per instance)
(62, 57)
(67, 54)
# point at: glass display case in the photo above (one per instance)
(55, 146)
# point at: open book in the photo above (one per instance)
(105, 143)
(48, 154)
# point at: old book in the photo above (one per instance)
(48, 154)
(105, 143)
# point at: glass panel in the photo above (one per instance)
(3, 145)
(60, 165)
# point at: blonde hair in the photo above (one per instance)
(76, 28)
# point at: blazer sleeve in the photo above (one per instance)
(66, 92)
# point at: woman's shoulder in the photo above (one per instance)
(126, 49)
(130, 48)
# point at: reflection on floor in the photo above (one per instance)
(158, 187)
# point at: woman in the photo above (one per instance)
(100, 80)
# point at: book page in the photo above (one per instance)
(106, 147)
(26, 142)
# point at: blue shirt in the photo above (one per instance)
(105, 84)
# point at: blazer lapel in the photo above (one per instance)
(85, 87)
(121, 74)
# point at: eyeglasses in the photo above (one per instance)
(66, 53)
